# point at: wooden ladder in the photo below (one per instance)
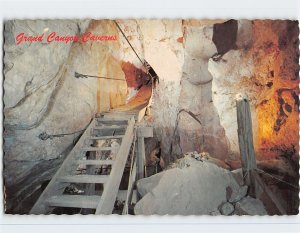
(103, 127)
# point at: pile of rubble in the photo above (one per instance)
(196, 185)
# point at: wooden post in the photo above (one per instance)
(142, 132)
(246, 143)
(269, 193)
(140, 157)
(109, 195)
(90, 188)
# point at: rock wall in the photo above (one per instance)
(179, 52)
(266, 69)
(35, 77)
(163, 48)
(174, 191)
(198, 126)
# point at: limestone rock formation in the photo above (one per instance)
(198, 125)
(145, 185)
(190, 187)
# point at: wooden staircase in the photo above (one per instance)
(105, 126)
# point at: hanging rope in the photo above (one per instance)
(129, 44)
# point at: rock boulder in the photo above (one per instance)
(193, 187)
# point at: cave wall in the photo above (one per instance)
(266, 69)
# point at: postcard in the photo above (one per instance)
(151, 117)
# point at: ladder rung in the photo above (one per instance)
(95, 162)
(89, 179)
(112, 121)
(125, 112)
(114, 116)
(106, 137)
(96, 148)
(75, 201)
(110, 127)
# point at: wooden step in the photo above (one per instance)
(106, 137)
(75, 201)
(112, 121)
(88, 179)
(91, 148)
(109, 127)
(56, 188)
(128, 112)
(114, 116)
(95, 162)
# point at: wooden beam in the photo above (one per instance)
(93, 148)
(87, 179)
(141, 158)
(141, 114)
(132, 179)
(74, 201)
(106, 132)
(95, 162)
(90, 188)
(269, 193)
(245, 137)
(106, 137)
(145, 131)
(142, 132)
(101, 127)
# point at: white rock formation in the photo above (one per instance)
(193, 187)
(198, 124)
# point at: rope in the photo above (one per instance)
(276, 178)
(245, 174)
(129, 43)
(144, 63)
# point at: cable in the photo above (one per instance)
(129, 43)
(78, 75)
(274, 177)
